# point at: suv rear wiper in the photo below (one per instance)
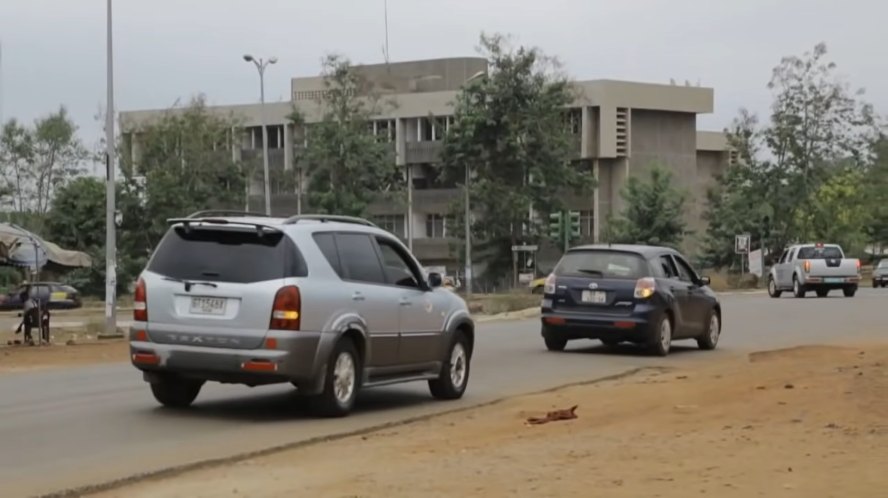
(189, 283)
(592, 272)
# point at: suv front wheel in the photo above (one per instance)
(454, 377)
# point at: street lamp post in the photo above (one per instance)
(260, 66)
(468, 223)
(110, 194)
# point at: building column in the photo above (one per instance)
(596, 203)
(401, 162)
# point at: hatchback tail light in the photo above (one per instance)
(645, 287)
(549, 286)
(286, 314)
(140, 302)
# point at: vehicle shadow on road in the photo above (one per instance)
(287, 406)
(629, 350)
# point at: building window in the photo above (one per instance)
(394, 223)
(384, 130)
(425, 130)
(435, 226)
(574, 121)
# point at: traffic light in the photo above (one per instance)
(574, 225)
(555, 226)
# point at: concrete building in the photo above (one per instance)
(621, 129)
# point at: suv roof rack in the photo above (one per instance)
(225, 212)
(329, 218)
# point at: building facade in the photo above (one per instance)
(620, 129)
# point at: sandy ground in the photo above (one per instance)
(59, 355)
(804, 422)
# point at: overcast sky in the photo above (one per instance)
(54, 50)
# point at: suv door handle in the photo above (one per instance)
(405, 302)
(357, 296)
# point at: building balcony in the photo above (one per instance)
(275, 157)
(435, 249)
(423, 152)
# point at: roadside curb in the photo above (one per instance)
(218, 462)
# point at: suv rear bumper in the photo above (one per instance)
(293, 359)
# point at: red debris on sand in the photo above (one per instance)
(553, 416)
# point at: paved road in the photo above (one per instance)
(85, 425)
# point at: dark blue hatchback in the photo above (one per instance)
(626, 293)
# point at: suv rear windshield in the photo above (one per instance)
(226, 255)
(607, 264)
(814, 252)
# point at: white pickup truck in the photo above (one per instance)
(814, 267)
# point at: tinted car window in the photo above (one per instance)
(397, 270)
(359, 259)
(225, 255)
(826, 252)
(668, 266)
(327, 244)
(598, 263)
(685, 272)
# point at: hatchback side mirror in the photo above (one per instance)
(705, 281)
(435, 280)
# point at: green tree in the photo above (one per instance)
(509, 131)
(76, 221)
(838, 210)
(817, 122)
(59, 156)
(347, 165)
(184, 165)
(654, 212)
(16, 157)
(876, 186)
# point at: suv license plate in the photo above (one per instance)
(208, 305)
(594, 297)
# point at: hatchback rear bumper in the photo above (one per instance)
(637, 327)
(291, 359)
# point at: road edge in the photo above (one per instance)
(177, 470)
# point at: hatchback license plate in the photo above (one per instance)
(594, 297)
(208, 305)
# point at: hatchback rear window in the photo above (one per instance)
(605, 264)
(226, 255)
(826, 252)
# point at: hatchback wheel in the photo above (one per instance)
(709, 340)
(454, 377)
(174, 392)
(341, 382)
(662, 340)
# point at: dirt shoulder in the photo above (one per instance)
(803, 422)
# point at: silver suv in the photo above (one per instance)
(330, 304)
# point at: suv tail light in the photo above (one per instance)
(807, 265)
(549, 286)
(286, 314)
(140, 302)
(645, 287)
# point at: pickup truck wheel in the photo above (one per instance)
(772, 288)
(850, 291)
(797, 289)
(822, 292)
(454, 377)
(174, 392)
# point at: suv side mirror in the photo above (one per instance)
(705, 281)
(435, 280)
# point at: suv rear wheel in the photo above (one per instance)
(341, 382)
(175, 392)
(454, 377)
(554, 343)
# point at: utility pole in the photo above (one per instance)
(468, 223)
(110, 194)
(260, 66)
